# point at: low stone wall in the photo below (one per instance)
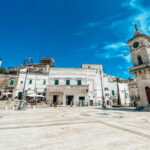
(9, 104)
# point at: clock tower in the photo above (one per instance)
(140, 52)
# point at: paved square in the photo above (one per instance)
(66, 128)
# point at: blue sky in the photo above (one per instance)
(72, 31)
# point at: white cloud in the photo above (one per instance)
(126, 72)
(115, 45)
(123, 28)
(115, 50)
(141, 17)
(93, 24)
(127, 58)
(132, 4)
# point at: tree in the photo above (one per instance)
(27, 61)
(118, 93)
(3, 70)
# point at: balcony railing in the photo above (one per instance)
(139, 67)
(68, 88)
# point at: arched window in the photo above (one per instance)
(140, 62)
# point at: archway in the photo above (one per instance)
(140, 60)
(147, 89)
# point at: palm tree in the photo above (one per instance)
(118, 93)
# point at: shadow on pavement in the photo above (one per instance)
(119, 109)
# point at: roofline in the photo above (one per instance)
(143, 35)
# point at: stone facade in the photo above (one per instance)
(140, 52)
(8, 83)
(63, 92)
(134, 92)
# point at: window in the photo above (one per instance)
(44, 82)
(21, 82)
(11, 82)
(106, 89)
(67, 82)
(106, 94)
(79, 82)
(30, 81)
(113, 92)
(140, 62)
(56, 82)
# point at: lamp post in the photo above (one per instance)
(26, 62)
(23, 100)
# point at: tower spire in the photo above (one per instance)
(137, 32)
(136, 28)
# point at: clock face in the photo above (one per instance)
(135, 44)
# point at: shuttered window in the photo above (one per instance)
(11, 82)
(113, 92)
(79, 82)
(67, 82)
(56, 82)
(30, 81)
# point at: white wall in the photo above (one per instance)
(89, 75)
(109, 85)
(37, 82)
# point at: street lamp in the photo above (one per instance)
(23, 100)
(26, 62)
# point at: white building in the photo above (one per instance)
(79, 86)
(33, 80)
(87, 85)
(114, 91)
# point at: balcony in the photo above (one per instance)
(139, 67)
(68, 88)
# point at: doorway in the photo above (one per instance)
(20, 95)
(91, 102)
(81, 101)
(69, 100)
(55, 99)
(147, 89)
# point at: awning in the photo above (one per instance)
(7, 93)
(35, 95)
